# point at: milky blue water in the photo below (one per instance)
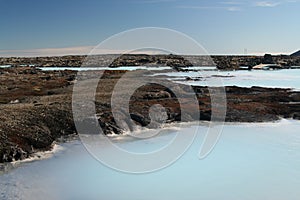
(5, 66)
(286, 78)
(128, 68)
(251, 161)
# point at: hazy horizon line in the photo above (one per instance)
(86, 50)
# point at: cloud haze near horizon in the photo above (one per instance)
(58, 27)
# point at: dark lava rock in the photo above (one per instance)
(44, 112)
(296, 54)
(174, 61)
(140, 119)
(268, 59)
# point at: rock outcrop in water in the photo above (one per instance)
(36, 107)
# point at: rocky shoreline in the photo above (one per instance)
(226, 62)
(36, 107)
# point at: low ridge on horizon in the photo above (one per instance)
(297, 53)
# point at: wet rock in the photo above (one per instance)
(296, 116)
(13, 153)
(140, 119)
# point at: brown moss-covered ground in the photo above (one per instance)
(36, 107)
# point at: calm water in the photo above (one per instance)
(254, 161)
(104, 68)
(251, 161)
(286, 78)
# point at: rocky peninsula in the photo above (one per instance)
(36, 107)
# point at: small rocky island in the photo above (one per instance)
(36, 105)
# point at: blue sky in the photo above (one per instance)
(221, 26)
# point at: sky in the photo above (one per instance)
(58, 27)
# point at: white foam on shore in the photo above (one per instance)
(178, 126)
(41, 155)
(265, 159)
(174, 126)
(167, 128)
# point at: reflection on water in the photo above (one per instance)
(251, 161)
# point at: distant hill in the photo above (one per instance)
(296, 54)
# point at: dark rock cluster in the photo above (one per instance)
(254, 104)
(235, 62)
(28, 128)
(55, 61)
(173, 61)
(296, 54)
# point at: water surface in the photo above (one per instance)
(285, 78)
(251, 161)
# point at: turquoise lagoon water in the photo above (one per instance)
(286, 78)
(105, 68)
(251, 161)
